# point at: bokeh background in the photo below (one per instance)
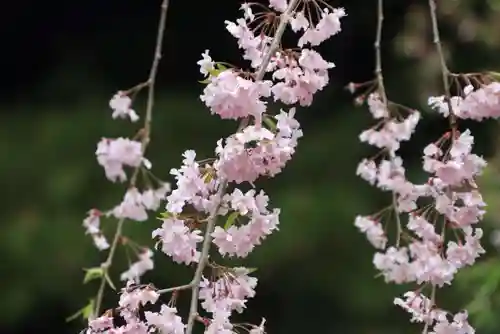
(63, 60)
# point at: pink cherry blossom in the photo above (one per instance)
(178, 241)
(138, 268)
(114, 154)
(231, 96)
(121, 104)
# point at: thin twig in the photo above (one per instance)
(193, 309)
(145, 141)
(378, 53)
(175, 288)
(445, 72)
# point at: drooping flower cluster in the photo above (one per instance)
(257, 150)
(224, 295)
(448, 200)
(422, 310)
(132, 299)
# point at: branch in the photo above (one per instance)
(380, 82)
(145, 141)
(444, 68)
(193, 309)
(202, 262)
(378, 53)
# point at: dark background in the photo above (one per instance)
(62, 61)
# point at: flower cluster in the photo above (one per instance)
(131, 300)
(436, 221)
(215, 200)
(257, 151)
(476, 104)
(423, 252)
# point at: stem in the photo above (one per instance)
(445, 72)
(145, 141)
(193, 309)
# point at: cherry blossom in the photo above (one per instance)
(114, 154)
(121, 103)
(138, 268)
(92, 225)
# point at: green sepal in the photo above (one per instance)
(92, 274)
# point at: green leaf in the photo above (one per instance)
(251, 270)
(231, 219)
(220, 67)
(92, 273)
(85, 312)
(205, 82)
(108, 279)
(88, 310)
(165, 215)
(270, 123)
